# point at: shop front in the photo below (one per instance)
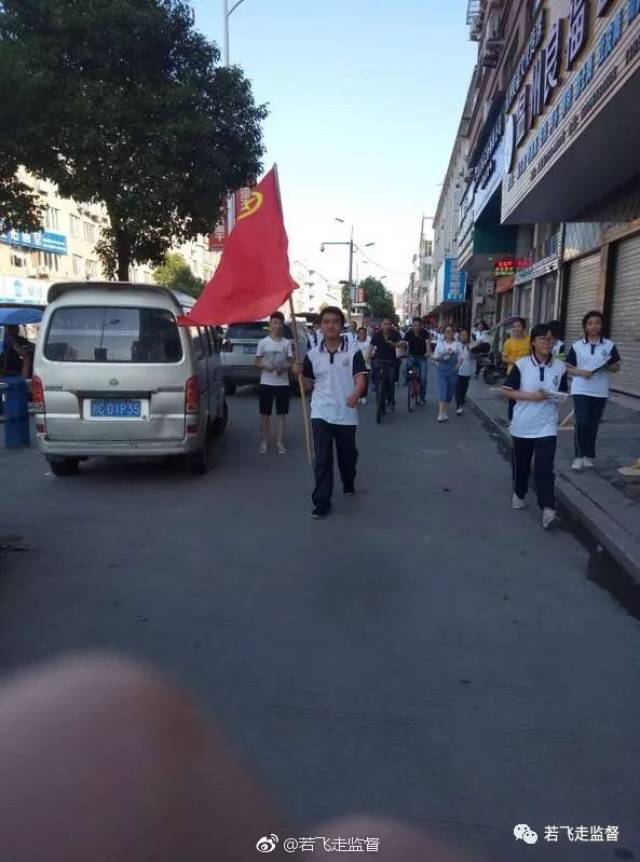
(572, 120)
(504, 297)
(623, 301)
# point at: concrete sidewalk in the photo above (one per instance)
(601, 500)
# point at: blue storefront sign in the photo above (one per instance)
(455, 282)
(56, 243)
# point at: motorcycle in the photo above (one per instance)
(489, 355)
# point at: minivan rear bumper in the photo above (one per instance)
(241, 375)
(117, 449)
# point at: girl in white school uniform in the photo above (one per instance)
(534, 384)
(589, 362)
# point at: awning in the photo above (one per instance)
(19, 316)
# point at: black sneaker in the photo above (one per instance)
(349, 490)
(319, 514)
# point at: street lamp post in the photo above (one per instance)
(352, 249)
(227, 12)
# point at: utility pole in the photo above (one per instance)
(226, 14)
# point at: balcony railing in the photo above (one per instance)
(549, 248)
(475, 11)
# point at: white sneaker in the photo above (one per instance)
(460, 411)
(588, 463)
(263, 448)
(549, 518)
(281, 449)
(362, 402)
(517, 503)
(442, 418)
(578, 464)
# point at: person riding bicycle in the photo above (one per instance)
(418, 342)
(383, 357)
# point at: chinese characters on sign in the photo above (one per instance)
(578, 30)
(528, 56)
(220, 233)
(553, 61)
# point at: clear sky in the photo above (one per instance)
(365, 99)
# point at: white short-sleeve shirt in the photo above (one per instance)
(533, 419)
(333, 375)
(592, 357)
(276, 355)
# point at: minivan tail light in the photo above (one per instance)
(37, 394)
(191, 396)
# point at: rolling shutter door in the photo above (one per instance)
(625, 315)
(584, 276)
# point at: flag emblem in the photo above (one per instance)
(251, 205)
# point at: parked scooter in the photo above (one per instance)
(490, 363)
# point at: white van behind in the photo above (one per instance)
(115, 376)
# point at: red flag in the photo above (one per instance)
(253, 277)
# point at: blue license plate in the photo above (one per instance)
(115, 409)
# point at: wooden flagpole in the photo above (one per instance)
(308, 437)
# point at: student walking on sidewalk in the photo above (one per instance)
(448, 355)
(274, 358)
(514, 348)
(589, 362)
(337, 373)
(533, 385)
(467, 368)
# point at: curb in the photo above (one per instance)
(617, 541)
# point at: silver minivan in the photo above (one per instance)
(115, 376)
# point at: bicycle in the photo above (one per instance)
(384, 371)
(414, 391)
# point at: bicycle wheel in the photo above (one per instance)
(410, 392)
(380, 400)
(417, 391)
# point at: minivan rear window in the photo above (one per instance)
(109, 334)
(241, 331)
(244, 331)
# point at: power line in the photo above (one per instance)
(384, 268)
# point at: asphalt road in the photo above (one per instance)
(425, 653)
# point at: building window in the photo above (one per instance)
(89, 232)
(76, 227)
(52, 219)
(91, 268)
(78, 265)
(18, 260)
(50, 261)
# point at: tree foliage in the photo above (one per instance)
(176, 273)
(378, 298)
(124, 102)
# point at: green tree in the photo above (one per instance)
(378, 298)
(128, 105)
(176, 273)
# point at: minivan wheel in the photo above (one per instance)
(220, 425)
(67, 467)
(229, 387)
(198, 462)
